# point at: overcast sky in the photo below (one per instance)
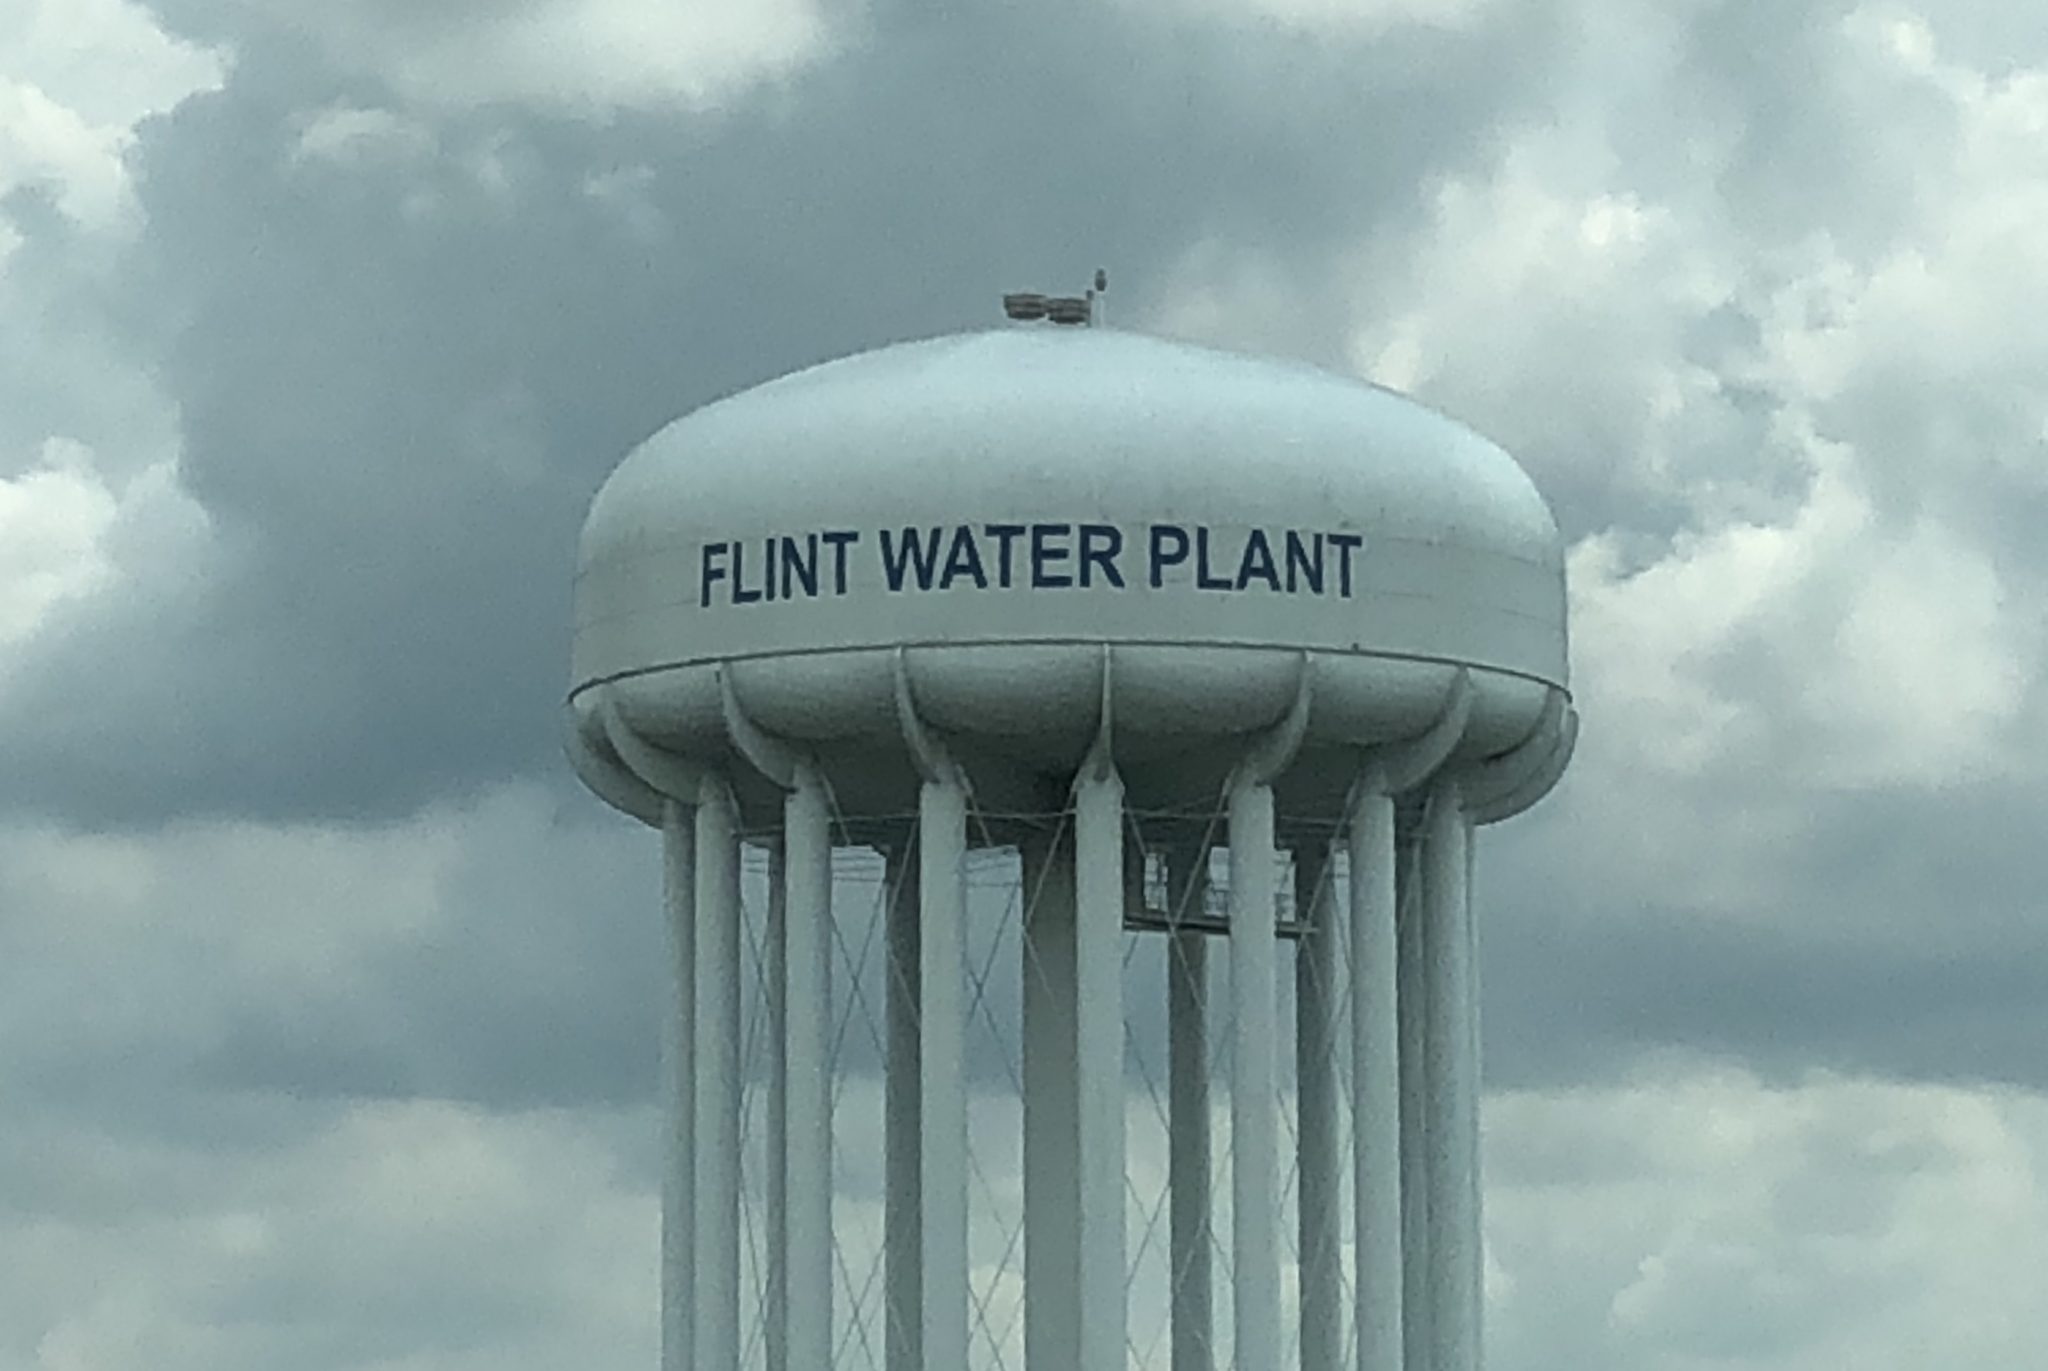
(327, 1001)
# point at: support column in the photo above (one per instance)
(942, 1122)
(1376, 1169)
(1187, 1115)
(1099, 1063)
(807, 1221)
(678, 1178)
(716, 1279)
(775, 1009)
(1450, 1049)
(1418, 1336)
(902, 1216)
(1074, 1311)
(1475, 1183)
(1254, 1153)
(1052, 1163)
(1320, 1220)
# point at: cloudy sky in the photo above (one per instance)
(327, 1001)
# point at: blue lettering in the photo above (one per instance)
(800, 566)
(1346, 544)
(1044, 552)
(710, 572)
(1101, 544)
(921, 558)
(1169, 548)
(1006, 536)
(1044, 556)
(1204, 580)
(963, 559)
(839, 541)
(1257, 562)
(740, 594)
(1304, 562)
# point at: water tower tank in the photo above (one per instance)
(1209, 650)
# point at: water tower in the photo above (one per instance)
(1067, 747)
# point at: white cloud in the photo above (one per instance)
(1698, 1218)
(53, 520)
(109, 60)
(1353, 17)
(89, 496)
(76, 76)
(44, 142)
(582, 56)
(1908, 658)
(356, 1241)
(348, 134)
(158, 1216)
(1784, 431)
(1550, 303)
(1771, 334)
(69, 536)
(226, 922)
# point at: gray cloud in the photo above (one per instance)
(404, 347)
(400, 377)
(302, 921)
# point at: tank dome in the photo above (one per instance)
(1037, 527)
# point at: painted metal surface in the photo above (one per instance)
(911, 592)
(1254, 1079)
(783, 1165)
(1098, 1067)
(1190, 1215)
(806, 1146)
(1073, 1089)
(715, 1277)
(1375, 1083)
(902, 1129)
(679, 1061)
(988, 512)
(1319, 1182)
(1052, 1129)
(1418, 1310)
(1450, 1048)
(942, 1079)
(743, 530)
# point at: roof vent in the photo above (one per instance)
(1025, 305)
(1029, 306)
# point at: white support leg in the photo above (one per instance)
(1187, 1113)
(807, 1224)
(775, 1006)
(942, 852)
(902, 1221)
(1375, 1087)
(1073, 1089)
(1316, 994)
(678, 1178)
(1254, 1159)
(1418, 1336)
(1456, 1266)
(1476, 1177)
(717, 1275)
(1052, 1162)
(1099, 1064)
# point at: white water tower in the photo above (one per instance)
(1067, 747)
